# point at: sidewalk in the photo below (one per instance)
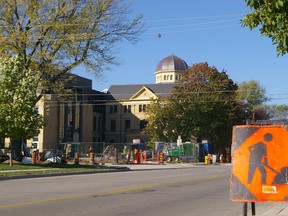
(270, 209)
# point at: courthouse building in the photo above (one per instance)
(90, 116)
(77, 119)
(126, 104)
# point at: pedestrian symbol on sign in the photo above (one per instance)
(259, 170)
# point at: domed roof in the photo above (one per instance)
(172, 63)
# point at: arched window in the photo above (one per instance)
(164, 77)
(171, 77)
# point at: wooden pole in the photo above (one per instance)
(253, 208)
(245, 209)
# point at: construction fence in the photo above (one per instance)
(100, 149)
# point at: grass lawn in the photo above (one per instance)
(52, 168)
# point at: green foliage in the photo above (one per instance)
(277, 112)
(272, 18)
(53, 37)
(251, 94)
(18, 116)
(202, 105)
(159, 125)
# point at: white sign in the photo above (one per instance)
(136, 141)
(179, 141)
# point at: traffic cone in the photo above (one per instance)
(158, 157)
(161, 157)
(33, 157)
(76, 158)
(144, 156)
(91, 158)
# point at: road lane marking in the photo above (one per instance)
(108, 192)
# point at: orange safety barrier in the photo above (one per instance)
(161, 157)
(135, 151)
(91, 159)
(76, 158)
(141, 156)
(138, 158)
(158, 157)
(144, 156)
(33, 157)
(38, 156)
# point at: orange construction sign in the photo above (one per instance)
(259, 163)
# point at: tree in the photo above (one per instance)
(272, 17)
(202, 105)
(55, 36)
(19, 119)
(251, 95)
(277, 113)
(160, 112)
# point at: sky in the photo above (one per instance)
(198, 31)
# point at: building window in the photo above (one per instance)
(144, 107)
(127, 108)
(127, 125)
(164, 77)
(113, 125)
(97, 108)
(171, 77)
(113, 108)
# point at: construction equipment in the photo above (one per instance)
(185, 152)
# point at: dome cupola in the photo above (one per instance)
(170, 69)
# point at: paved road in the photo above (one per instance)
(146, 190)
(262, 209)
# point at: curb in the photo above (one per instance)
(115, 169)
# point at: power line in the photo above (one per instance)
(194, 18)
(83, 23)
(105, 103)
(85, 35)
(198, 29)
(192, 24)
(205, 23)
